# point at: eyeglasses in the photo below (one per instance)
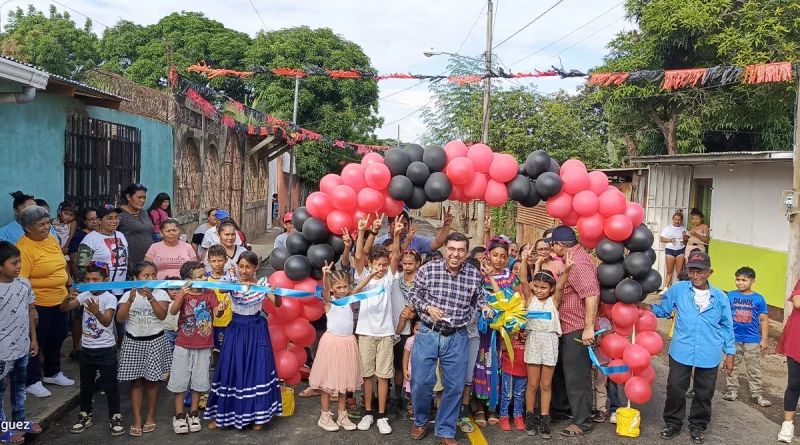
(411, 252)
(99, 264)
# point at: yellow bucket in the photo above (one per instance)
(287, 399)
(628, 422)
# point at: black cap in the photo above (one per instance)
(106, 209)
(562, 234)
(698, 260)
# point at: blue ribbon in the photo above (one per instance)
(539, 315)
(605, 369)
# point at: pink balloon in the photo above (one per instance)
(353, 175)
(611, 202)
(634, 212)
(637, 390)
(475, 188)
(591, 226)
(338, 220)
(481, 156)
(392, 207)
(589, 243)
(560, 205)
(460, 170)
(457, 194)
(649, 374)
(574, 180)
(290, 308)
(370, 200)
(496, 194)
(319, 205)
(613, 345)
(455, 149)
(286, 364)
(572, 163)
(618, 228)
(357, 215)
(619, 377)
(598, 182)
(278, 337)
(624, 314)
(371, 158)
(504, 168)
(279, 279)
(299, 353)
(585, 203)
(312, 311)
(329, 182)
(344, 198)
(623, 330)
(650, 341)
(646, 322)
(300, 332)
(293, 380)
(570, 220)
(636, 357)
(607, 308)
(377, 175)
(271, 309)
(307, 285)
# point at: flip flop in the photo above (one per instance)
(466, 425)
(480, 419)
(258, 427)
(12, 437)
(308, 393)
(31, 428)
(493, 419)
(148, 427)
(212, 425)
(567, 432)
(135, 432)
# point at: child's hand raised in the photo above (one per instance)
(362, 223)
(398, 225)
(92, 306)
(346, 239)
(377, 223)
(326, 269)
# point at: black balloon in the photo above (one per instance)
(278, 257)
(521, 170)
(610, 274)
(418, 172)
(297, 244)
(435, 158)
(640, 240)
(400, 188)
(537, 163)
(418, 198)
(315, 230)
(297, 267)
(438, 187)
(532, 200)
(637, 264)
(652, 255)
(554, 167)
(318, 254)
(650, 283)
(609, 251)
(608, 295)
(316, 274)
(414, 152)
(519, 188)
(335, 241)
(299, 217)
(628, 291)
(397, 160)
(548, 184)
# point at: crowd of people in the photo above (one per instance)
(418, 345)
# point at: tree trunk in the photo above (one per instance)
(668, 130)
(631, 146)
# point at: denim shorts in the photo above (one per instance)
(675, 252)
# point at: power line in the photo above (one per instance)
(263, 25)
(576, 44)
(473, 27)
(529, 24)
(409, 114)
(80, 13)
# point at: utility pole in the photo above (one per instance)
(793, 253)
(291, 152)
(487, 91)
(398, 135)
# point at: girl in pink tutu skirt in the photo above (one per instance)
(337, 366)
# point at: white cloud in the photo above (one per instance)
(394, 34)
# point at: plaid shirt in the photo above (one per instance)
(459, 296)
(581, 283)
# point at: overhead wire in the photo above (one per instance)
(574, 45)
(80, 13)
(472, 28)
(529, 24)
(263, 25)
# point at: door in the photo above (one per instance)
(701, 198)
(668, 189)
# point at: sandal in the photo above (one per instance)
(135, 432)
(308, 393)
(466, 425)
(31, 428)
(493, 419)
(570, 432)
(480, 418)
(12, 437)
(212, 425)
(148, 427)
(258, 427)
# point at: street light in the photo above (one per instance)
(440, 53)
(1, 15)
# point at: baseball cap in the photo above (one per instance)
(698, 260)
(221, 214)
(287, 217)
(562, 234)
(107, 209)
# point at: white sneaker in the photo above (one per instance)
(59, 379)
(613, 418)
(194, 424)
(326, 422)
(180, 426)
(787, 432)
(38, 390)
(345, 422)
(365, 423)
(383, 426)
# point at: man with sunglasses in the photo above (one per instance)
(703, 329)
(423, 244)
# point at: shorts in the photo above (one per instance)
(474, 349)
(219, 336)
(398, 349)
(675, 252)
(172, 336)
(541, 348)
(190, 370)
(377, 356)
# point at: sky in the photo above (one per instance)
(394, 35)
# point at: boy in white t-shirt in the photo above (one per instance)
(99, 349)
(376, 321)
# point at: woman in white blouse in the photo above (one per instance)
(673, 236)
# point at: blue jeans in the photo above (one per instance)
(613, 396)
(516, 386)
(18, 374)
(451, 352)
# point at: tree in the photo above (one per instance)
(53, 43)
(456, 108)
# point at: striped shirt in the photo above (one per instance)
(459, 296)
(581, 283)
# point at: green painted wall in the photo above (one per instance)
(770, 267)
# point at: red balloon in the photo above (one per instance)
(300, 332)
(481, 156)
(560, 205)
(455, 149)
(270, 308)
(377, 175)
(460, 170)
(329, 182)
(623, 330)
(279, 279)
(613, 345)
(651, 341)
(504, 168)
(286, 364)
(607, 308)
(635, 212)
(585, 203)
(637, 390)
(371, 158)
(646, 322)
(370, 200)
(476, 187)
(293, 380)
(598, 182)
(496, 194)
(353, 175)
(625, 314)
(589, 243)
(618, 228)
(619, 377)
(611, 202)
(392, 207)
(649, 374)
(457, 194)
(278, 337)
(319, 205)
(591, 226)
(344, 197)
(338, 220)
(290, 308)
(572, 163)
(636, 357)
(313, 311)
(574, 180)
(299, 353)
(570, 220)
(307, 285)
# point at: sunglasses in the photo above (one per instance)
(411, 252)
(100, 264)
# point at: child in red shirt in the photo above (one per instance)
(514, 382)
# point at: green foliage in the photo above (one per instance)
(456, 112)
(504, 220)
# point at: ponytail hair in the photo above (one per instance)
(545, 276)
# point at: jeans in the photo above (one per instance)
(172, 336)
(613, 396)
(451, 353)
(51, 332)
(516, 386)
(748, 354)
(105, 361)
(572, 381)
(680, 375)
(18, 374)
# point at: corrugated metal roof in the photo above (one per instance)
(716, 157)
(86, 89)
